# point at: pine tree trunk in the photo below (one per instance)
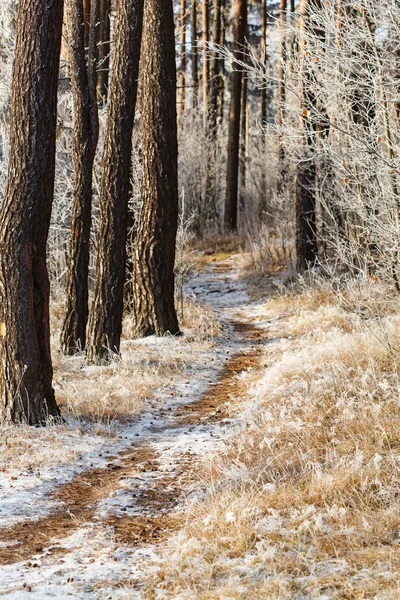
(86, 21)
(195, 56)
(105, 321)
(103, 41)
(215, 67)
(25, 358)
(232, 177)
(221, 79)
(206, 64)
(182, 70)
(154, 307)
(209, 212)
(264, 61)
(306, 224)
(264, 204)
(86, 130)
(281, 95)
(243, 132)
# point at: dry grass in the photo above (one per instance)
(118, 390)
(304, 502)
(99, 397)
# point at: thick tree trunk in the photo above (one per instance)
(195, 56)
(86, 130)
(306, 223)
(103, 41)
(232, 177)
(154, 307)
(105, 322)
(182, 69)
(25, 359)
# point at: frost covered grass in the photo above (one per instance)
(303, 503)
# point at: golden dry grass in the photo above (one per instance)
(304, 503)
(99, 396)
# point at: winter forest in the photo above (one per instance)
(200, 299)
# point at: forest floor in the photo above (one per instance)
(69, 530)
(258, 458)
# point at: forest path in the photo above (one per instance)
(108, 522)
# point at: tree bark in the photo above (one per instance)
(103, 41)
(281, 95)
(306, 224)
(86, 132)
(232, 177)
(221, 87)
(195, 56)
(206, 65)
(182, 70)
(105, 321)
(215, 67)
(25, 358)
(209, 211)
(154, 307)
(86, 21)
(264, 62)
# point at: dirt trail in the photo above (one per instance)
(155, 480)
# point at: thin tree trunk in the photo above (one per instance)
(221, 81)
(154, 307)
(263, 207)
(105, 322)
(243, 131)
(264, 62)
(215, 67)
(86, 132)
(25, 359)
(243, 145)
(232, 178)
(306, 226)
(281, 96)
(182, 70)
(195, 56)
(103, 41)
(206, 67)
(209, 212)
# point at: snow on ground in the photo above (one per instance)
(91, 561)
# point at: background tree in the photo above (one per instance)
(306, 222)
(86, 132)
(26, 368)
(281, 94)
(206, 65)
(154, 307)
(183, 61)
(209, 209)
(105, 322)
(232, 174)
(194, 53)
